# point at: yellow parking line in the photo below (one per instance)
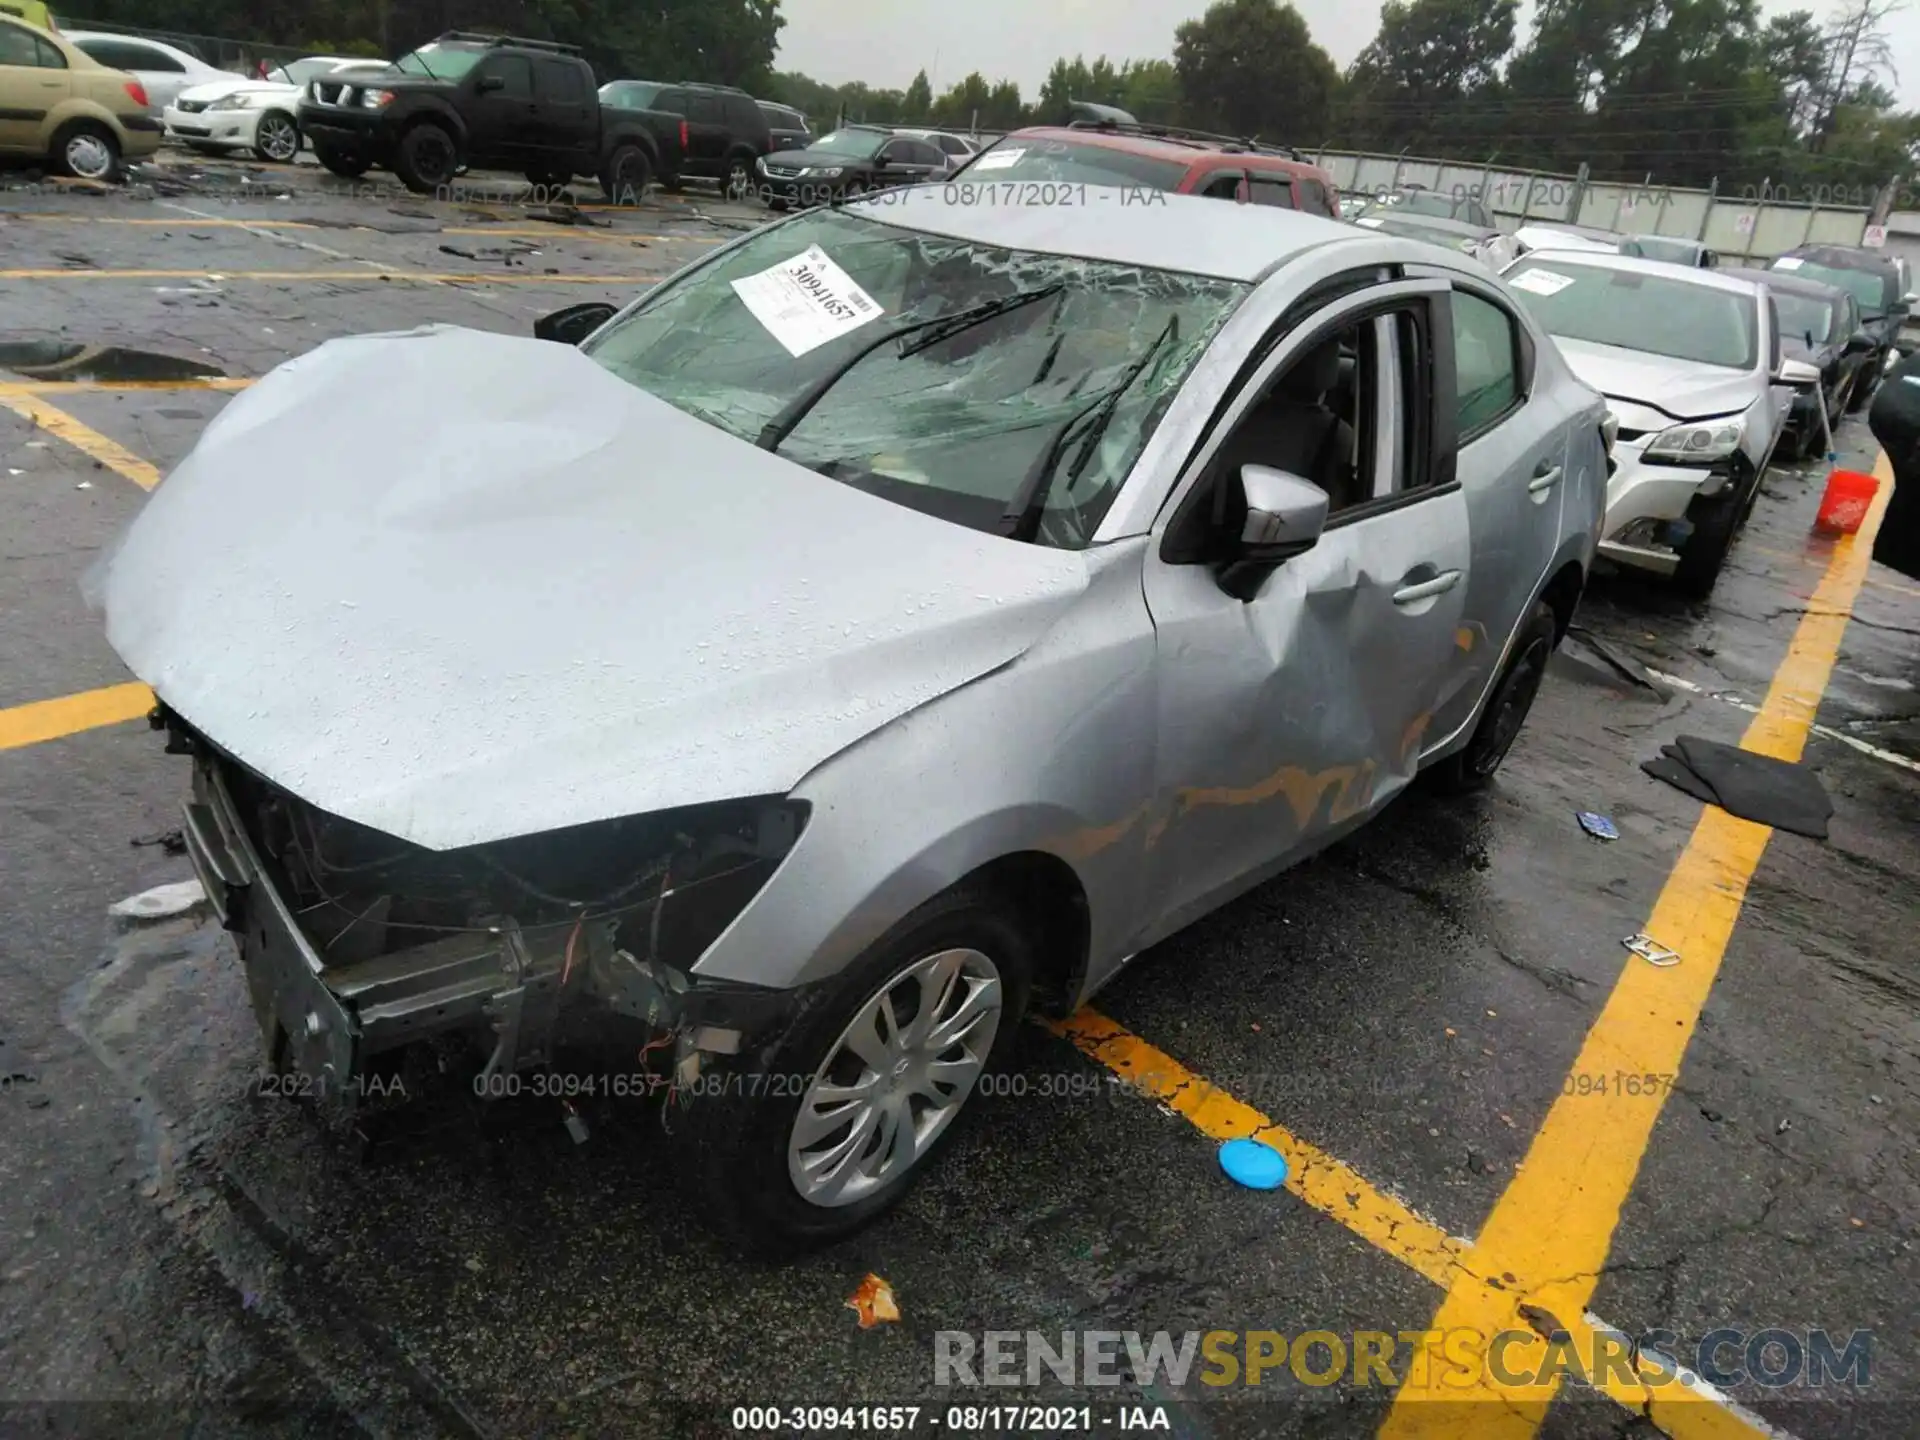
(67, 387)
(84, 438)
(1325, 1183)
(1553, 1228)
(1338, 1191)
(496, 277)
(90, 710)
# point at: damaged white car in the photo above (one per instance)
(886, 627)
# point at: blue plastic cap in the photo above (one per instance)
(1256, 1166)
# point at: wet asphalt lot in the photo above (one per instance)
(174, 1248)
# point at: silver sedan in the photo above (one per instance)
(884, 629)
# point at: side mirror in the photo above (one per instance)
(487, 84)
(1860, 343)
(1909, 300)
(575, 323)
(1285, 516)
(1797, 373)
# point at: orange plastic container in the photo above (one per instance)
(1844, 506)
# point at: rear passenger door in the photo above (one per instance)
(33, 81)
(567, 111)
(1513, 454)
(502, 126)
(707, 133)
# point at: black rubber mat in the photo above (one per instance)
(1754, 787)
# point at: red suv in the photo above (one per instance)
(1158, 157)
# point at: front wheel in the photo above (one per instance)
(276, 139)
(821, 1129)
(1715, 522)
(738, 183)
(426, 158)
(1863, 387)
(1473, 768)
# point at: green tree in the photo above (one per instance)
(1250, 67)
(1150, 91)
(919, 97)
(1429, 74)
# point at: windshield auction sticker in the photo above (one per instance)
(1540, 282)
(807, 301)
(999, 159)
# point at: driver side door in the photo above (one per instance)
(1288, 718)
(502, 124)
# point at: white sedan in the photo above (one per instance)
(164, 71)
(256, 115)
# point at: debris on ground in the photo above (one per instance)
(1254, 1165)
(1652, 951)
(171, 842)
(566, 215)
(1628, 669)
(1598, 826)
(872, 1300)
(163, 902)
(1775, 793)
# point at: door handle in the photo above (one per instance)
(1545, 478)
(1426, 589)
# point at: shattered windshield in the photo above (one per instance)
(1675, 317)
(953, 420)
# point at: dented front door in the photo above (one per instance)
(1289, 718)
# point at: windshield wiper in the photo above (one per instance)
(795, 410)
(1021, 519)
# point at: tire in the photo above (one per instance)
(276, 139)
(629, 171)
(344, 163)
(1864, 386)
(739, 1138)
(426, 158)
(1472, 768)
(737, 183)
(86, 151)
(1715, 523)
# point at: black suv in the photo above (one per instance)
(790, 128)
(492, 102)
(727, 135)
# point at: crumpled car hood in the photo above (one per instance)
(1679, 389)
(459, 587)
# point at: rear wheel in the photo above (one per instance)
(629, 171)
(343, 163)
(86, 151)
(426, 158)
(1474, 767)
(738, 182)
(277, 138)
(824, 1127)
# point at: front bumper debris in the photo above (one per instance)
(327, 1014)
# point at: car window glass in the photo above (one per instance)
(952, 426)
(673, 102)
(1044, 158)
(1676, 316)
(1487, 377)
(1773, 324)
(1270, 190)
(517, 73)
(1222, 187)
(19, 47)
(951, 145)
(925, 154)
(703, 108)
(1803, 315)
(562, 82)
(744, 113)
(1314, 197)
(145, 57)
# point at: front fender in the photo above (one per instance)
(1052, 753)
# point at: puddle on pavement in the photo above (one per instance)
(98, 364)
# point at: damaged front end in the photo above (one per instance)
(357, 944)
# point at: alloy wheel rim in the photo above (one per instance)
(277, 136)
(895, 1078)
(88, 156)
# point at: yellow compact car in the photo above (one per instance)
(60, 106)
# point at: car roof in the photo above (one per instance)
(1612, 260)
(173, 50)
(1183, 151)
(1842, 257)
(1432, 222)
(1786, 280)
(1180, 233)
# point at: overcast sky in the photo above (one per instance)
(884, 41)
